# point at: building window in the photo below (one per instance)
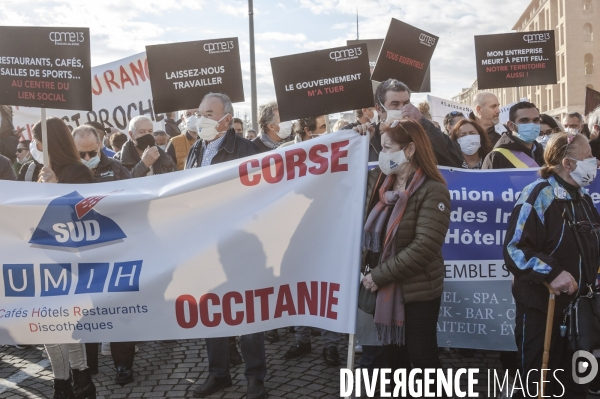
(588, 33)
(588, 63)
(587, 5)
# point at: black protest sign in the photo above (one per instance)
(405, 55)
(182, 73)
(515, 59)
(322, 82)
(45, 67)
(592, 100)
(373, 48)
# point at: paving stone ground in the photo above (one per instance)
(172, 369)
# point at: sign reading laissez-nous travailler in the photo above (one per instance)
(515, 59)
(45, 67)
(182, 73)
(405, 55)
(321, 82)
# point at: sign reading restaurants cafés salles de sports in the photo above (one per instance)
(515, 59)
(46, 67)
(405, 55)
(182, 73)
(322, 82)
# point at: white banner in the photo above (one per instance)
(264, 242)
(120, 91)
(440, 107)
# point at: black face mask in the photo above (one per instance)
(145, 141)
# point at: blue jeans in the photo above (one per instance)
(253, 352)
(303, 336)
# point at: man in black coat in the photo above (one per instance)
(172, 125)
(393, 95)
(219, 143)
(6, 172)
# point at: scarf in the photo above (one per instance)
(389, 309)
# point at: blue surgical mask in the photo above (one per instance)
(528, 132)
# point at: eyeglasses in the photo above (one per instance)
(548, 132)
(20, 150)
(92, 154)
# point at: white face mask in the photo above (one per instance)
(35, 153)
(585, 171)
(163, 147)
(375, 119)
(392, 113)
(391, 163)
(207, 128)
(192, 124)
(92, 162)
(543, 140)
(285, 129)
(469, 144)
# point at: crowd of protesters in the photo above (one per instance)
(407, 215)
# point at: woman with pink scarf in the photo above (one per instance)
(407, 217)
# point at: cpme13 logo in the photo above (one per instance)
(71, 224)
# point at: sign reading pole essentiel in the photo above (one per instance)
(405, 55)
(45, 67)
(182, 73)
(515, 59)
(322, 82)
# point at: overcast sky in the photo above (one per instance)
(120, 28)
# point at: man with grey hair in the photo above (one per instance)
(218, 143)
(392, 101)
(272, 130)
(594, 123)
(486, 113)
(140, 155)
(574, 121)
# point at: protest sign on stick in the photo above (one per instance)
(592, 100)
(182, 73)
(337, 80)
(515, 59)
(405, 55)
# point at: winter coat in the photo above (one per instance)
(179, 147)
(6, 169)
(495, 160)
(419, 264)
(172, 127)
(539, 243)
(109, 169)
(232, 147)
(130, 158)
(36, 171)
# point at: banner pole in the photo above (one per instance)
(351, 351)
(327, 123)
(45, 138)
(254, 105)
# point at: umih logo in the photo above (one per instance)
(70, 221)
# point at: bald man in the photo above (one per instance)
(486, 112)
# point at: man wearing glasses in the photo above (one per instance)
(90, 151)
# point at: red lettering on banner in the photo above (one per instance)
(110, 80)
(321, 296)
(98, 91)
(285, 302)
(263, 294)
(124, 77)
(294, 159)
(139, 71)
(304, 298)
(76, 311)
(332, 300)
(180, 311)
(291, 163)
(336, 154)
(267, 170)
(204, 316)
(239, 316)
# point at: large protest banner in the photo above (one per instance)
(45, 67)
(337, 80)
(515, 59)
(215, 251)
(405, 55)
(183, 73)
(120, 91)
(477, 309)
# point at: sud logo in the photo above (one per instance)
(71, 224)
